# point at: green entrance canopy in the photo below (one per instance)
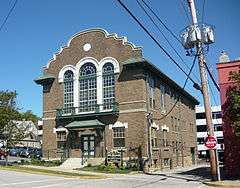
(84, 124)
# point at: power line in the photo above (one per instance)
(185, 10)
(160, 20)
(9, 13)
(212, 78)
(185, 83)
(167, 28)
(158, 44)
(203, 11)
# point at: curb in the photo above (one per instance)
(222, 184)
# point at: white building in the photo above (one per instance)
(202, 131)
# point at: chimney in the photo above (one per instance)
(223, 58)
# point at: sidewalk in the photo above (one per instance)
(58, 168)
(225, 183)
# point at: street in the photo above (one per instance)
(26, 180)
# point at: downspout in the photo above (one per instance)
(148, 128)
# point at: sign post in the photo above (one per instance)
(211, 144)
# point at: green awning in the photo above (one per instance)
(84, 124)
(44, 79)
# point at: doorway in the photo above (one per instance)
(88, 145)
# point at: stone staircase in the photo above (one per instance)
(72, 163)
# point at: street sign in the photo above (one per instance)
(210, 142)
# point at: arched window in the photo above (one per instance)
(87, 88)
(108, 86)
(68, 92)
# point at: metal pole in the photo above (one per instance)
(218, 167)
(204, 81)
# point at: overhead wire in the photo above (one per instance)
(152, 37)
(212, 78)
(8, 15)
(161, 21)
(214, 100)
(185, 10)
(203, 11)
(184, 85)
(166, 27)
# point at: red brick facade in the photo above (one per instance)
(231, 141)
(176, 147)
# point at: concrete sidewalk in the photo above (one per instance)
(59, 168)
(225, 183)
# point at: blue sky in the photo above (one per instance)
(37, 29)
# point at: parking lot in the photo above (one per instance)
(12, 159)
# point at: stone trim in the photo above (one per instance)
(49, 111)
(132, 102)
(49, 118)
(133, 110)
(119, 124)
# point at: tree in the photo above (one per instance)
(10, 133)
(232, 112)
(29, 116)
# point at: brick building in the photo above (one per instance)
(97, 92)
(231, 141)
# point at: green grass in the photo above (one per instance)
(106, 169)
(49, 172)
(37, 162)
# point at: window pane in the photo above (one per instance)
(119, 137)
(162, 96)
(68, 92)
(87, 88)
(108, 86)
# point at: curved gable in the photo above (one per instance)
(96, 43)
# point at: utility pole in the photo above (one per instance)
(203, 75)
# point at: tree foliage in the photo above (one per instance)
(232, 112)
(29, 116)
(10, 132)
(8, 109)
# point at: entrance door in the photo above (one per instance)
(88, 148)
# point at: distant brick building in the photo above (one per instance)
(231, 141)
(97, 92)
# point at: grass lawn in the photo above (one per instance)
(106, 169)
(50, 172)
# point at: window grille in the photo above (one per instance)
(68, 92)
(119, 137)
(154, 137)
(151, 91)
(87, 88)
(108, 86)
(61, 140)
(162, 96)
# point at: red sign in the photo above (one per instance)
(210, 142)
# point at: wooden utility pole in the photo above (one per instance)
(204, 81)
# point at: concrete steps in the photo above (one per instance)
(72, 163)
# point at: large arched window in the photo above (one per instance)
(87, 88)
(68, 92)
(108, 86)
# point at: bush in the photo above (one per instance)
(38, 162)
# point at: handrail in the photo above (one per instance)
(95, 108)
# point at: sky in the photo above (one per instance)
(37, 29)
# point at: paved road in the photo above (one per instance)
(11, 179)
